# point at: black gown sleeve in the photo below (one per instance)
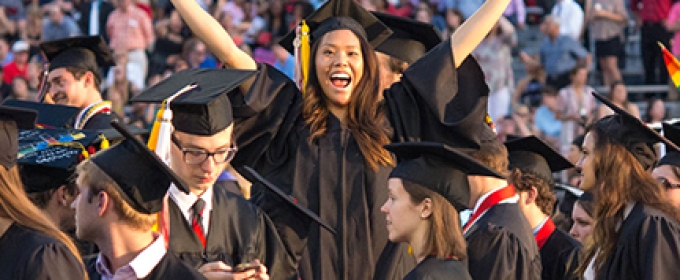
(497, 254)
(280, 258)
(434, 100)
(100, 121)
(264, 120)
(53, 261)
(659, 250)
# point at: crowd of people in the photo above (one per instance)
(333, 139)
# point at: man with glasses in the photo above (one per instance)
(211, 228)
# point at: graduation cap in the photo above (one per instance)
(440, 168)
(49, 115)
(11, 120)
(142, 178)
(204, 110)
(339, 15)
(627, 130)
(113, 135)
(571, 195)
(253, 176)
(672, 156)
(47, 157)
(410, 39)
(85, 52)
(532, 155)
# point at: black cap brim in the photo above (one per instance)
(645, 133)
(556, 162)
(456, 157)
(67, 52)
(253, 176)
(24, 118)
(410, 39)
(375, 31)
(11, 120)
(49, 115)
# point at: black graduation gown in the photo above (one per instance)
(170, 267)
(432, 268)
(238, 233)
(648, 247)
(31, 255)
(501, 245)
(329, 175)
(559, 256)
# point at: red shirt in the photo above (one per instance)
(651, 10)
(11, 70)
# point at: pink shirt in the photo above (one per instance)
(140, 267)
(132, 30)
(673, 16)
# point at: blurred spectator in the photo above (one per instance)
(524, 122)
(20, 90)
(5, 55)
(196, 54)
(132, 72)
(403, 9)
(549, 127)
(516, 13)
(570, 15)
(467, 7)
(506, 127)
(235, 8)
(607, 20)
(618, 94)
(656, 111)
(528, 90)
(5, 88)
(673, 25)
(129, 29)
(120, 92)
(34, 29)
(302, 10)
(494, 57)
(58, 26)
(263, 52)
(252, 25)
(558, 54)
(276, 19)
(423, 13)
(285, 62)
(92, 16)
(33, 74)
(19, 64)
(650, 16)
(577, 106)
(12, 18)
(171, 34)
(454, 18)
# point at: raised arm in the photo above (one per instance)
(474, 30)
(208, 30)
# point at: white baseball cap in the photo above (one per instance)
(20, 46)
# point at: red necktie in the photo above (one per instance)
(197, 220)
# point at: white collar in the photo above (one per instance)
(184, 201)
(142, 264)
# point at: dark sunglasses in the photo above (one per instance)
(666, 184)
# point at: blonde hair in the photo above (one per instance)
(97, 181)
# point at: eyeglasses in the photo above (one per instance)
(664, 182)
(198, 156)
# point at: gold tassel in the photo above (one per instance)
(304, 56)
(104, 144)
(153, 137)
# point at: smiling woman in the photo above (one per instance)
(325, 148)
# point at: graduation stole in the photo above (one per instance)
(89, 112)
(544, 232)
(495, 198)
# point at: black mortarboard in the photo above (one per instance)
(337, 15)
(440, 168)
(205, 110)
(672, 156)
(49, 115)
(253, 176)
(570, 195)
(532, 155)
(142, 177)
(112, 134)
(11, 120)
(48, 157)
(86, 52)
(630, 132)
(410, 39)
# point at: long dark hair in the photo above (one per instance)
(619, 179)
(364, 119)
